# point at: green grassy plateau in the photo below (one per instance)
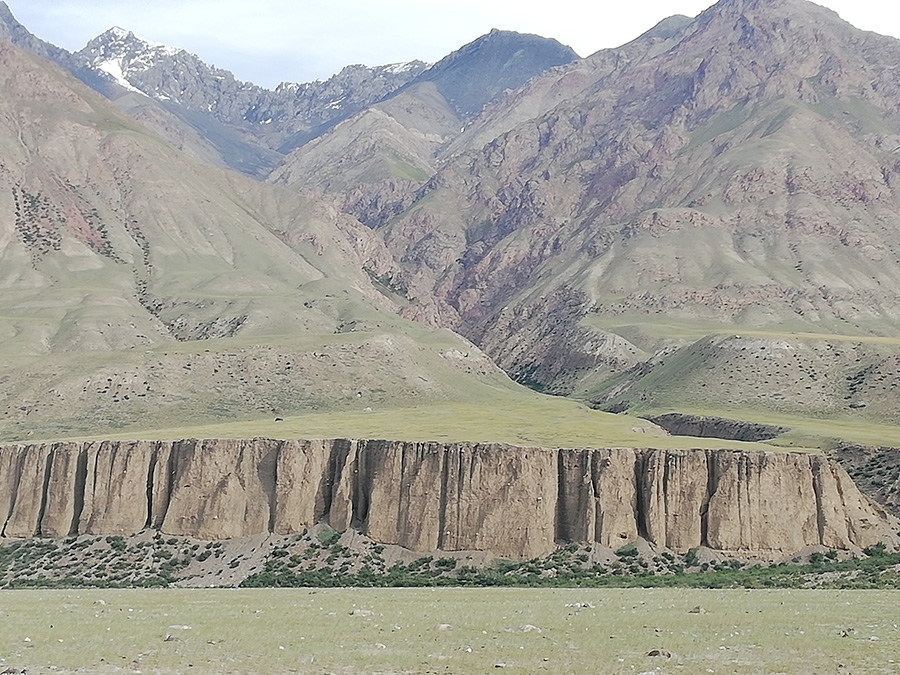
(509, 417)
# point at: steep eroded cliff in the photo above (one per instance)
(515, 502)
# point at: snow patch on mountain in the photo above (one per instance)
(404, 67)
(121, 53)
(129, 39)
(113, 67)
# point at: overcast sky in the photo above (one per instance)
(270, 41)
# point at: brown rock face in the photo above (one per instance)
(674, 487)
(515, 502)
(428, 496)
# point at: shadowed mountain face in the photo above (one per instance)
(480, 72)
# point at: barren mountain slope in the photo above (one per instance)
(373, 164)
(736, 171)
(546, 91)
(141, 288)
(378, 157)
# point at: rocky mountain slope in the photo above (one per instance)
(387, 151)
(373, 164)
(695, 182)
(141, 287)
(514, 502)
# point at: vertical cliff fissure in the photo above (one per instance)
(442, 511)
(815, 469)
(336, 459)
(403, 488)
(14, 486)
(268, 476)
(359, 494)
(746, 510)
(151, 474)
(640, 503)
(664, 500)
(560, 531)
(45, 489)
(597, 466)
(81, 467)
(171, 468)
(712, 480)
(460, 488)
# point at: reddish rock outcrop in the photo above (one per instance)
(515, 502)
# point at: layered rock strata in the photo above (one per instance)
(513, 501)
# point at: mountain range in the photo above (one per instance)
(698, 178)
(703, 220)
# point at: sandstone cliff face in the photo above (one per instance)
(515, 502)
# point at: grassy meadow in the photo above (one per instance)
(508, 417)
(450, 631)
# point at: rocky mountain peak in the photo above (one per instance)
(209, 96)
(668, 27)
(771, 12)
(169, 74)
(123, 55)
(118, 42)
(481, 70)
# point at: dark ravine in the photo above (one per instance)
(515, 502)
(703, 426)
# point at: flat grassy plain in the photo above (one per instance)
(507, 418)
(450, 631)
